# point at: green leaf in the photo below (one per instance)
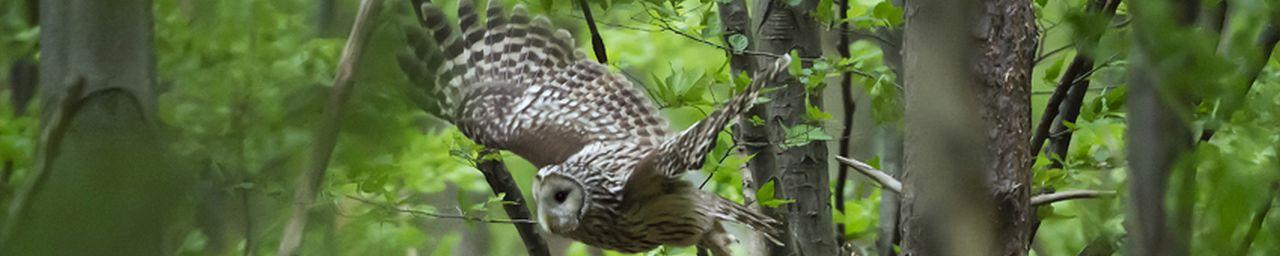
(1051, 73)
(794, 3)
(801, 135)
(824, 13)
(738, 43)
(814, 113)
(874, 162)
(765, 196)
(887, 12)
(796, 68)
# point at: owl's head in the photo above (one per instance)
(561, 198)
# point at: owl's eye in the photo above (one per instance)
(561, 196)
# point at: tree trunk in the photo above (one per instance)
(1008, 37)
(103, 181)
(800, 172)
(946, 208)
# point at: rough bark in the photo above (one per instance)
(1008, 35)
(946, 204)
(1157, 135)
(100, 146)
(800, 172)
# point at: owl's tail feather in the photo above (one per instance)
(767, 226)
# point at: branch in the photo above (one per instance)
(1076, 75)
(1044, 199)
(422, 213)
(597, 42)
(327, 136)
(499, 179)
(1258, 219)
(884, 179)
(1266, 42)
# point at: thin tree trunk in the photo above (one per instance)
(326, 137)
(800, 172)
(946, 204)
(1009, 34)
(849, 103)
(1157, 136)
(735, 21)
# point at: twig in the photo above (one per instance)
(884, 179)
(665, 26)
(597, 42)
(862, 33)
(618, 25)
(721, 162)
(1044, 199)
(422, 213)
(1053, 52)
(327, 136)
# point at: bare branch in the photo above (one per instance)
(884, 179)
(327, 136)
(1044, 199)
(422, 213)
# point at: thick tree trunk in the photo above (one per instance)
(946, 204)
(103, 182)
(800, 172)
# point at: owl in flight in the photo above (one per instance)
(609, 171)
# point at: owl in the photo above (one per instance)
(608, 169)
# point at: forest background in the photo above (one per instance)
(241, 88)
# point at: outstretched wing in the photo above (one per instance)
(686, 151)
(512, 83)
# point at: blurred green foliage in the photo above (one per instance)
(243, 82)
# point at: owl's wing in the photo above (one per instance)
(512, 83)
(686, 151)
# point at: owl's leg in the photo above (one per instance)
(717, 240)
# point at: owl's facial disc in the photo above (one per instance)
(560, 203)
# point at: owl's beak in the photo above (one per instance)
(557, 225)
